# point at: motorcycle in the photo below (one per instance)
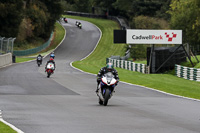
(65, 19)
(49, 69)
(78, 24)
(106, 88)
(39, 61)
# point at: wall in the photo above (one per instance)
(5, 59)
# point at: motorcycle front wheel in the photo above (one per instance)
(106, 97)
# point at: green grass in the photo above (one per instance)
(194, 61)
(6, 129)
(105, 49)
(19, 60)
(164, 82)
(59, 35)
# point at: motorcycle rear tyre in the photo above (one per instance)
(48, 74)
(106, 97)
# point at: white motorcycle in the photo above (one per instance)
(106, 88)
(50, 69)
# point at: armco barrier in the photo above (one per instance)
(5, 59)
(128, 65)
(187, 73)
(120, 20)
(34, 50)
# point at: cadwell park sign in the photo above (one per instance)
(130, 36)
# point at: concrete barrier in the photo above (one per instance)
(5, 59)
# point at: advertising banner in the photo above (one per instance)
(153, 36)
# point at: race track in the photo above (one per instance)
(66, 102)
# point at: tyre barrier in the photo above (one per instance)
(128, 65)
(187, 73)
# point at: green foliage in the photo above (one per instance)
(25, 30)
(146, 7)
(138, 51)
(28, 20)
(55, 10)
(144, 22)
(38, 19)
(82, 5)
(185, 16)
(10, 17)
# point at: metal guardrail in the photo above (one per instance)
(128, 65)
(187, 73)
(120, 20)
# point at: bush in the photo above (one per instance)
(138, 51)
(145, 22)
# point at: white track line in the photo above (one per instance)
(1, 119)
(10, 125)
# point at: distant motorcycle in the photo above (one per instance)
(65, 20)
(39, 61)
(78, 24)
(50, 69)
(106, 88)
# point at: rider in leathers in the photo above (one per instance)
(39, 58)
(108, 68)
(51, 60)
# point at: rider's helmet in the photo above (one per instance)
(39, 55)
(51, 59)
(109, 67)
(52, 55)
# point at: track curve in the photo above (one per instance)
(66, 103)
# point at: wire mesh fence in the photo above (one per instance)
(6, 45)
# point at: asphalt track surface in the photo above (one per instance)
(66, 102)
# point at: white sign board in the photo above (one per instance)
(153, 36)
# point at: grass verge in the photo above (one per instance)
(5, 128)
(59, 35)
(163, 82)
(105, 49)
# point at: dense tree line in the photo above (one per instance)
(28, 19)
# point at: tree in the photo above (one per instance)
(185, 16)
(106, 6)
(11, 15)
(55, 9)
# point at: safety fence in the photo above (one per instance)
(34, 50)
(6, 45)
(187, 72)
(128, 65)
